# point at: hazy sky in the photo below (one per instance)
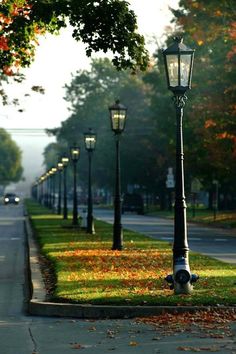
(57, 57)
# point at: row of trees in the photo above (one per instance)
(107, 25)
(149, 141)
(148, 144)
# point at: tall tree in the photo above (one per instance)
(102, 25)
(90, 94)
(10, 167)
(210, 28)
(209, 122)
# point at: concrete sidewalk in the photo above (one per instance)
(103, 329)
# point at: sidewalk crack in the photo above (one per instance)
(35, 347)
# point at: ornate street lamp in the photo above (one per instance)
(75, 154)
(41, 183)
(53, 175)
(90, 139)
(45, 189)
(178, 60)
(65, 161)
(59, 168)
(118, 114)
(48, 189)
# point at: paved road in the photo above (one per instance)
(214, 242)
(23, 334)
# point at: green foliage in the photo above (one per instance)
(209, 115)
(90, 94)
(211, 132)
(10, 167)
(107, 25)
(148, 143)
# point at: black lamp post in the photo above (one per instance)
(90, 139)
(41, 180)
(45, 190)
(53, 175)
(50, 189)
(178, 60)
(75, 154)
(59, 168)
(65, 161)
(118, 114)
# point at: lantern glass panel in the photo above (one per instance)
(65, 160)
(118, 119)
(90, 142)
(75, 154)
(60, 165)
(185, 68)
(172, 67)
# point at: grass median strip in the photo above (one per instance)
(88, 271)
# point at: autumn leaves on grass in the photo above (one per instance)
(87, 270)
(112, 275)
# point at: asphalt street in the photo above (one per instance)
(21, 333)
(215, 242)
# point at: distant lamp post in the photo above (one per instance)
(178, 59)
(118, 114)
(90, 139)
(53, 175)
(215, 197)
(41, 182)
(59, 168)
(65, 161)
(75, 154)
(48, 189)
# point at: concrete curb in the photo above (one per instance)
(39, 306)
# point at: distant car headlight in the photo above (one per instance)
(17, 199)
(6, 199)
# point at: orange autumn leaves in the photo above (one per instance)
(10, 12)
(210, 123)
(133, 271)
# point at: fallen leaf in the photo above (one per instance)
(110, 333)
(77, 346)
(91, 329)
(133, 344)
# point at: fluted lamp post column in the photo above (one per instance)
(48, 189)
(51, 188)
(75, 154)
(118, 114)
(90, 139)
(42, 180)
(59, 168)
(178, 60)
(65, 161)
(53, 177)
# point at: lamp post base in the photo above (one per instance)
(90, 227)
(117, 237)
(182, 288)
(182, 279)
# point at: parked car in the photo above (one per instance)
(11, 198)
(133, 202)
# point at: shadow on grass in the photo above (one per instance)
(157, 293)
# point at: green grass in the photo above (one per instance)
(88, 271)
(225, 219)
